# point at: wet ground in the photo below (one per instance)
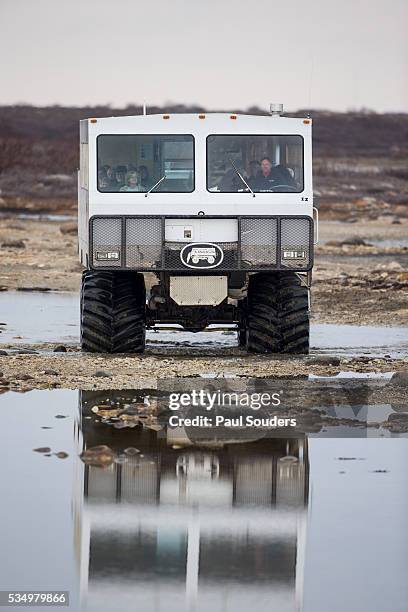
(185, 519)
(54, 318)
(39, 341)
(154, 521)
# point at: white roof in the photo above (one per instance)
(201, 122)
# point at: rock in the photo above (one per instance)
(60, 349)
(355, 241)
(98, 456)
(324, 360)
(396, 221)
(13, 244)
(102, 374)
(363, 359)
(334, 243)
(61, 455)
(42, 289)
(42, 449)
(24, 377)
(399, 379)
(50, 372)
(70, 227)
(3, 353)
(397, 422)
(393, 266)
(26, 352)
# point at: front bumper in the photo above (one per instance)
(265, 243)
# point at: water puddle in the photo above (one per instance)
(149, 520)
(35, 318)
(398, 243)
(360, 340)
(38, 216)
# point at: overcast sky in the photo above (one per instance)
(225, 54)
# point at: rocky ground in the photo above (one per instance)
(73, 370)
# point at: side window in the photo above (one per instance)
(144, 162)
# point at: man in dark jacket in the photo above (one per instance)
(273, 177)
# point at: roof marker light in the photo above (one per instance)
(166, 116)
(233, 116)
(201, 116)
(93, 121)
(306, 121)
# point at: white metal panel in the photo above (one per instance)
(201, 200)
(201, 230)
(198, 290)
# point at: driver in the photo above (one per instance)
(271, 177)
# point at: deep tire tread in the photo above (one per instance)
(113, 312)
(278, 314)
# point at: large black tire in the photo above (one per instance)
(113, 312)
(277, 314)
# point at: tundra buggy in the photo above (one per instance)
(196, 219)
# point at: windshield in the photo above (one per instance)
(266, 163)
(135, 163)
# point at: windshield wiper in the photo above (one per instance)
(241, 177)
(163, 178)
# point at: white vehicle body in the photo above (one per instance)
(221, 195)
(94, 203)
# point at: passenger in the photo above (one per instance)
(145, 177)
(120, 176)
(272, 177)
(254, 168)
(110, 176)
(132, 182)
(103, 180)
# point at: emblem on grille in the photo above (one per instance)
(201, 255)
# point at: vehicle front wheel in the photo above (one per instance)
(113, 312)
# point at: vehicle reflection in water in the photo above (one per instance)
(174, 527)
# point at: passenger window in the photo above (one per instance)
(139, 163)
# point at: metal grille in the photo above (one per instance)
(259, 238)
(107, 238)
(264, 243)
(172, 259)
(143, 243)
(295, 237)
